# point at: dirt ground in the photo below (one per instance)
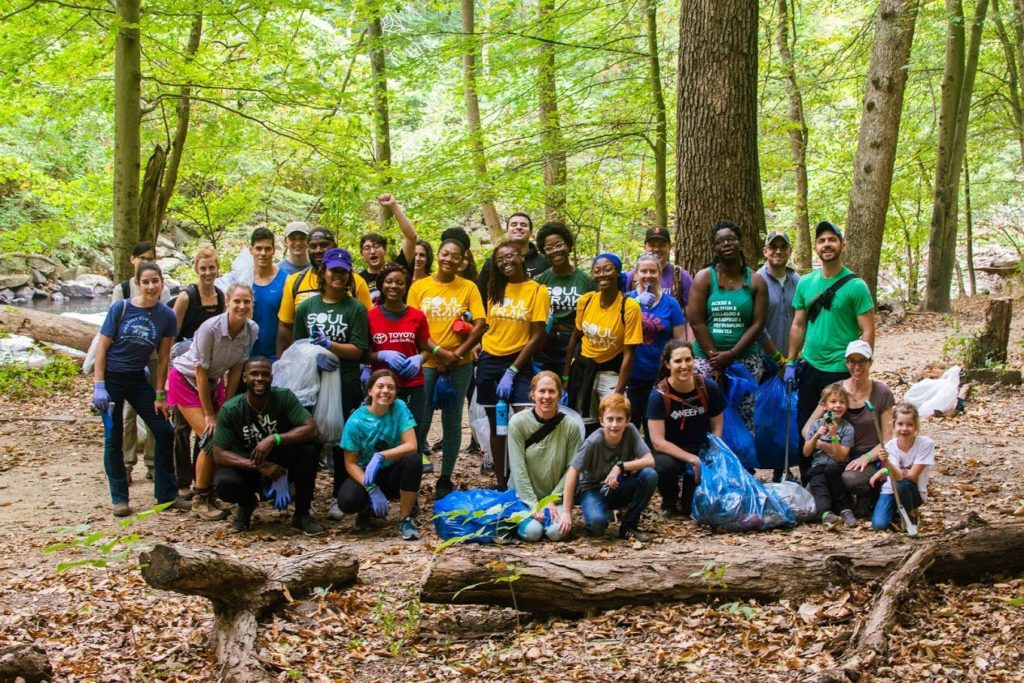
(107, 625)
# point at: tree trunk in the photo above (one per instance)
(473, 124)
(47, 327)
(969, 215)
(243, 593)
(550, 129)
(717, 168)
(1013, 84)
(127, 121)
(379, 74)
(149, 197)
(797, 136)
(988, 347)
(563, 584)
(957, 89)
(878, 135)
(660, 117)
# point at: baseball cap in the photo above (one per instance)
(336, 257)
(296, 226)
(827, 225)
(774, 235)
(657, 234)
(858, 346)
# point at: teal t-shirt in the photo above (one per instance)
(344, 322)
(366, 433)
(565, 291)
(728, 315)
(827, 336)
(240, 427)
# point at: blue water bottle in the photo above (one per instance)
(501, 417)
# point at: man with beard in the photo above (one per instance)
(832, 307)
(517, 231)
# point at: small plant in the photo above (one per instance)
(740, 608)
(103, 547)
(712, 574)
(20, 381)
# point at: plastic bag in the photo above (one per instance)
(477, 515)
(241, 271)
(932, 396)
(575, 417)
(329, 413)
(730, 498)
(770, 425)
(798, 499)
(444, 392)
(481, 429)
(296, 370)
(734, 429)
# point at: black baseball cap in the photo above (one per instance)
(828, 225)
(657, 234)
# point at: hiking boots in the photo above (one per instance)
(443, 487)
(830, 519)
(335, 512)
(120, 509)
(848, 519)
(428, 467)
(207, 509)
(179, 503)
(241, 520)
(362, 522)
(307, 525)
(631, 533)
(407, 529)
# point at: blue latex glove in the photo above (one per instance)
(505, 384)
(327, 362)
(790, 376)
(393, 359)
(279, 493)
(100, 397)
(378, 502)
(444, 392)
(412, 366)
(320, 339)
(370, 471)
(145, 371)
(564, 401)
(645, 298)
(364, 376)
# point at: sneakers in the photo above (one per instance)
(443, 487)
(335, 512)
(307, 525)
(206, 509)
(407, 529)
(120, 509)
(179, 503)
(631, 533)
(848, 519)
(436, 448)
(241, 520)
(428, 467)
(363, 522)
(830, 519)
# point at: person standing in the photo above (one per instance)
(267, 289)
(781, 280)
(832, 307)
(373, 247)
(296, 244)
(518, 230)
(674, 279)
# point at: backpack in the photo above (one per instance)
(90, 357)
(665, 389)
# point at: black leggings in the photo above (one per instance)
(404, 475)
(825, 482)
(245, 487)
(669, 471)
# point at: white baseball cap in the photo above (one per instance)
(858, 346)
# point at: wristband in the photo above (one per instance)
(277, 438)
(514, 369)
(160, 395)
(436, 349)
(834, 439)
(565, 378)
(884, 471)
(777, 356)
(370, 488)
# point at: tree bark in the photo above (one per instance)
(149, 197)
(797, 136)
(553, 150)
(878, 135)
(1013, 84)
(957, 89)
(969, 216)
(127, 122)
(660, 145)
(562, 584)
(988, 346)
(242, 593)
(473, 124)
(47, 327)
(379, 75)
(25, 662)
(717, 167)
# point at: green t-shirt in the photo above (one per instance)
(344, 322)
(729, 313)
(240, 427)
(827, 337)
(565, 291)
(539, 470)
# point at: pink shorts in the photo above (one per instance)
(181, 393)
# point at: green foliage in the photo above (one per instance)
(19, 381)
(102, 548)
(713, 575)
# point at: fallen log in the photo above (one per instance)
(25, 662)
(47, 327)
(243, 593)
(562, 584)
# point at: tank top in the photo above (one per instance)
(196, 313)
(729, 314)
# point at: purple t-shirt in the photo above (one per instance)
(138, 334)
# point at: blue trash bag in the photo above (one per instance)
(730, 498)
(477, 515)
(739, 383)
(770, 425)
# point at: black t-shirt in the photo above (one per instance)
(687, 417)
(371, 283)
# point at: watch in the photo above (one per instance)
(621, 465)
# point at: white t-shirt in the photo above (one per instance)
(921, 453)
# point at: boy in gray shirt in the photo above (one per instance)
(828, 443)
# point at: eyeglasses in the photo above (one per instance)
(557, 246)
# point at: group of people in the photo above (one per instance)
(638, 354)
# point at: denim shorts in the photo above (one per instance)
(489, 371)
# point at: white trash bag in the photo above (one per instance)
(296, 370)
(241, 271)
(329, 413)
(797, 498)
(932, 396)
(481, 429)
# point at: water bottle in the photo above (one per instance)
(501, 418)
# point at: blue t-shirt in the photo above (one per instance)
(139, 333)
(366, 433)
(657, 323)
(290, 268)
(266, 302)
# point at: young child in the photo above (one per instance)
(828, 443)
(909, 458)
(614, 469)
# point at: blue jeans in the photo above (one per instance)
(885, 508)
(451, 417)
(133, 388)
(531, 530)
(633, 493)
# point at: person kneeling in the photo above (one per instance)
(909, 458)
(381, 458)
(828, 442)
(264, 441)
(615, 469)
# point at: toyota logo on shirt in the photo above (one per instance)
(380, 338)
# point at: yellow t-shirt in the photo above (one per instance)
(604, 335)
(308, 286)
(443, 303)
(508, 323)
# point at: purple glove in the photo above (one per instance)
(645, 298)
(364, 376)
(393, 359)
(378, 502)
(100, 397)
(320, 339)
(504, 390)
(790, 375)
(327, 362)
(412, 366)
(370, 471)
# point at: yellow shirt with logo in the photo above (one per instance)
(604, 335)
(443, 303)
(309, 284)
(508, 323)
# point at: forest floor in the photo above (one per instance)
(108, 625)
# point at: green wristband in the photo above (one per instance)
(884, 471)
(436, 349)
(277, 438)
(514, 369)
